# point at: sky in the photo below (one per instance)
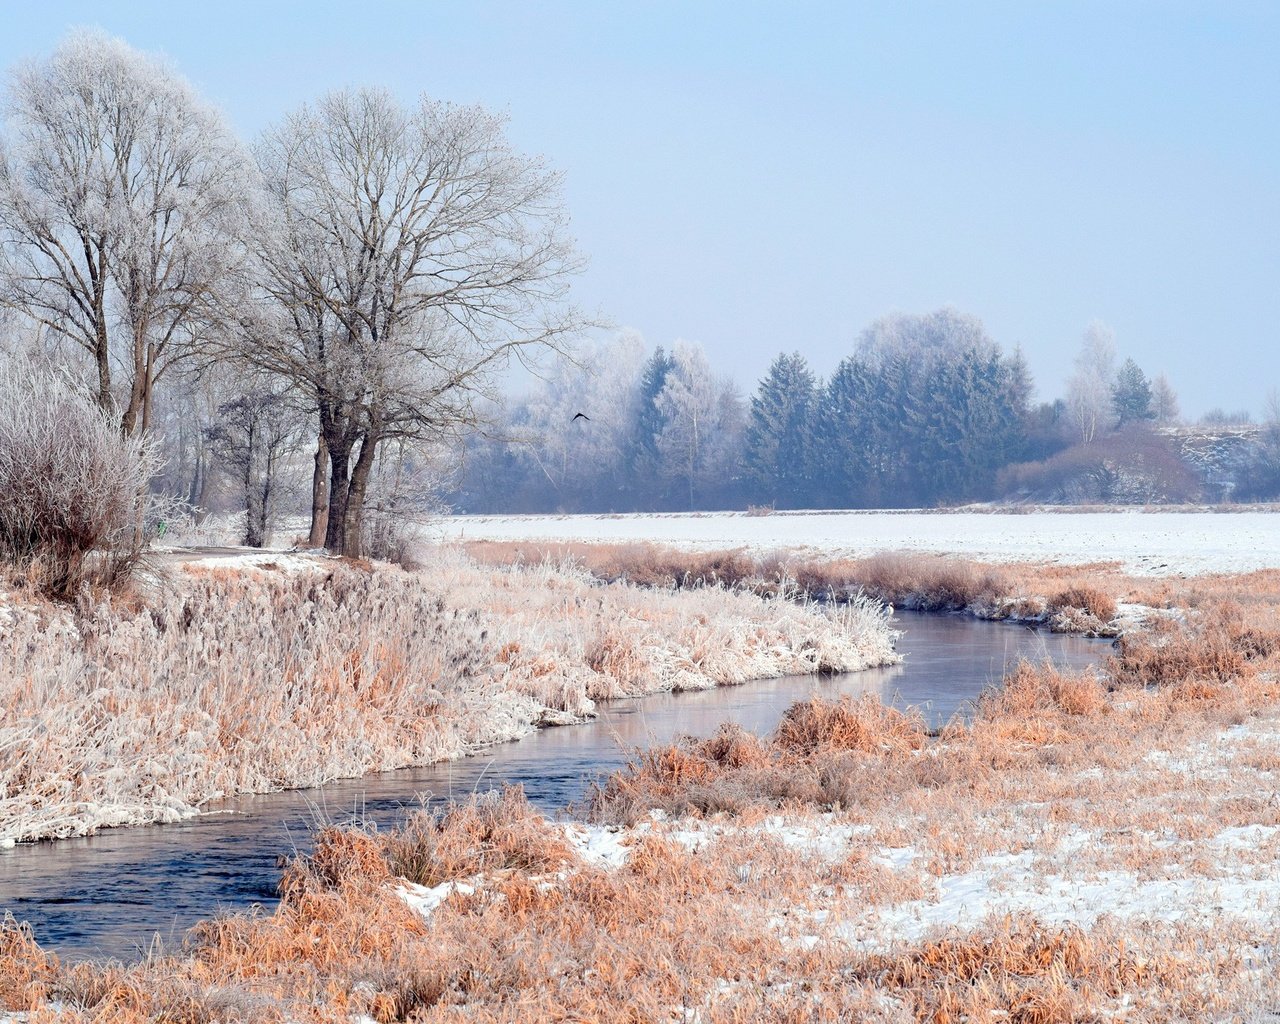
(772, 177)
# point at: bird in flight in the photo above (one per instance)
(580, 416)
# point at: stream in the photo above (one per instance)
(112, 893)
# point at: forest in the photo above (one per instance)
(927, 410)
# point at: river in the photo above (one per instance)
(111, 894)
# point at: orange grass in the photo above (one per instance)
(748, 905)
(1078, 599)
(234, 680)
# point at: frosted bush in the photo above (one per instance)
(73, 490)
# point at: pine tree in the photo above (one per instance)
(776, 439)
(1131, 394)
(840, 427)
(645, 462)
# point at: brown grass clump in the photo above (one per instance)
(486, 833)
(864, 724)
(824, 753)
(1090, 599)
(1216, 646)
(929, 583)
(1076, 598)
(1024, 971)
(1028, 691)
(25, 969)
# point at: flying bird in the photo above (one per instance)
(580, 416)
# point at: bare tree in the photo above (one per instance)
(703, 420)
(413, 254)
(255, 433)
(1164, 401)
(1089, 389)
(119, 189)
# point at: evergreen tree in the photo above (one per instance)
(645, 462)
(776, 438)
(927, 410)
(1131, 394)
(839, 429)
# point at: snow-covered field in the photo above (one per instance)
(1146, 543)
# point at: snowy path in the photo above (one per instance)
(1147, 543)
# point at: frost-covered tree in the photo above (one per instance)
(585, 459)
(1089, 399)
(121, 194)
(1164, 401)
(255, 433)
(923, 338)
(414, 252)
(777, 436)
(1131, 395)
(702, 424)
(926, 410)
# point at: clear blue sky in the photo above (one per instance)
(761, 178)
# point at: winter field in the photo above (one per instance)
(1143, 542)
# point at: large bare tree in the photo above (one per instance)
(411, 254)
(119, 197)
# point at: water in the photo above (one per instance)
(111, 894)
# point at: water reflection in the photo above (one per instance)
(110, 894)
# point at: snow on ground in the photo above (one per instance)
(1146, 542)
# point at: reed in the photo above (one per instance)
(243, 680)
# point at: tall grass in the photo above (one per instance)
(770, 891)
(237, 681)
(1077, 599)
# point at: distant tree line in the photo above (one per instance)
(926, 410)
(321, 321)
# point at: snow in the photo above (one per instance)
(425, 900)
(598, 846)
(1145, 542)
(1010, 884)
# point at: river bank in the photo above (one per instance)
(110, 894)
(1088, 847)
(290, 670)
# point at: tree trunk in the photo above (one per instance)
(255, 483)
(355, 501)
(148, 387)
(339, 490)
(133, 410)
(319, 495)
(103, 355)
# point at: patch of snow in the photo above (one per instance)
(425, 900)
(825, 840)
(597, 845)
(1156, 543)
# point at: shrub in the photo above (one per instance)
(74, 501)
(1132, 466)
(1096, 602)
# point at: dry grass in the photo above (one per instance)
(1070, 598)
(238, 680)
(824, 873)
